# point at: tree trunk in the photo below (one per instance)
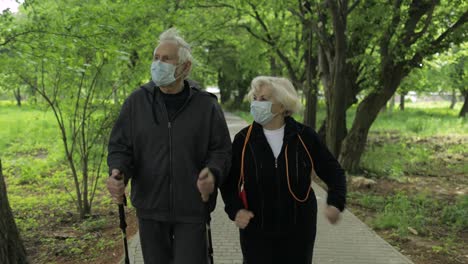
(402, 101)
(355, 141)
(17, 94)
(392, 103)
(454, 99)
(11, 247)
(32, 90)
(86, 208)
(310, 112)
(384, 108)
(367, 112)
(223, 87)
(311, 83)
(464, 108)
(325, 79)
(115, 95)
(274, 69)
(336, 118)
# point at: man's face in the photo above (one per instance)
(167, 52)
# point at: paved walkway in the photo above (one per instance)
(349, 242)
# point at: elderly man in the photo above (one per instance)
(171, 140)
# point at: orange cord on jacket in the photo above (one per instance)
(240, 184)
(287, 172)
(241, 178)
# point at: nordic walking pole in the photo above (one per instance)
(123, 225)
(209, 241)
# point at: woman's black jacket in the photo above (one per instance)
(266, 183)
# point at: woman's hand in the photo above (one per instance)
(243, 217)
(333, 214)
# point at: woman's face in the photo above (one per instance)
(265, 93)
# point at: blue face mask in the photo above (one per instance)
(261, 112)
(162, 73)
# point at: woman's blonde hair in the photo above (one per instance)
(282, 90)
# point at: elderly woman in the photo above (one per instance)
(268, 192)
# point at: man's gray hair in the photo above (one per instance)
(172, 35)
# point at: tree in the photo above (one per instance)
(332, 63)
(344, 32)
(76, 64)
(236, 69)
(414, 31)
(285, 29)
(11, 247)
(443, 73)
(457, 71)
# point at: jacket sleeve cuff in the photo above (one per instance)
(122, 169)
(336, 201)
(217, 175)
(231, 212)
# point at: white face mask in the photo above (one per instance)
(261, 112)
(162, 73)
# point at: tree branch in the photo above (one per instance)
(260, 20)
(439, 43)
(416, 11)
(15, 36)
(352, 7)
(256, 35)
(388, 34)
(217, 5)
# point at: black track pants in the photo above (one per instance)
(281, 250)
(172, 243)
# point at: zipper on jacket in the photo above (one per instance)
(259, 185)
(171, 191)
(169, 127)
(297, 182)
(279, 192)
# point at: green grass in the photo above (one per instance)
(402, 212)
(420, 211)
(30, 144)
(456, 214)
(418, 121)
(417, 141)
(39, 183)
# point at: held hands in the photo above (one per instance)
(332, 213)
(206, 184)
(115, 185)
(243, 217)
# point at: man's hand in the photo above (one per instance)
(243, 217)
(206, 184)
(333, 214)
(115, 185)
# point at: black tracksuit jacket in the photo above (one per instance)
(163, 157)
(276, 211)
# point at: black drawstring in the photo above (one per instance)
(152, 104)
(155, 116)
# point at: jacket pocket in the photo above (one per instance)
(151, 191)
